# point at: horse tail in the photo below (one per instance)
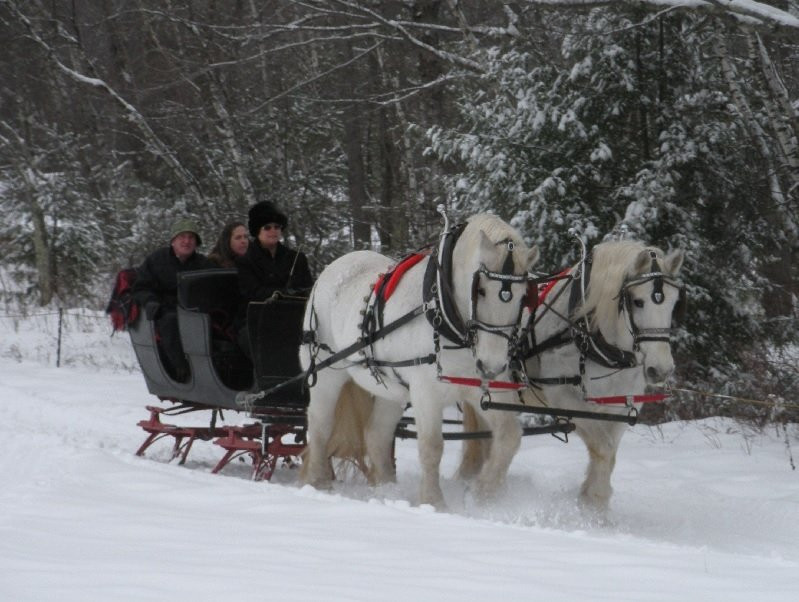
(347, 442)
(474, 451)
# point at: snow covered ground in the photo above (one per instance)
(701, 511)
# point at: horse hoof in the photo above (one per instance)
(438, 504)
(594, 505)
(321, 485)
(322, 482)
(437, 507)
(486, 494)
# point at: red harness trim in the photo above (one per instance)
(536, 296)
(476, 382)
(652, 398)
(397, 273)
(542, 293)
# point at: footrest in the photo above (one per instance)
(238, 441)
(249, 440)
(158, 430)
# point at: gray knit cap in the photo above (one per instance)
(185, 225)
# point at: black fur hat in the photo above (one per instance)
(264, 213)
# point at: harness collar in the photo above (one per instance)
(593, 344)
(442, 313)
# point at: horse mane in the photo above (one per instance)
(613, 262)
(497, 231)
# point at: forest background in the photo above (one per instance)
(675, 120)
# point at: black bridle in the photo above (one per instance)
(505, 295)
(591, 344)
(658, 279)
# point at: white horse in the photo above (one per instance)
(489, 271)
(618, 328)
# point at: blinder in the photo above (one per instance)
(680, 308)
(505, 293)
(657, 284)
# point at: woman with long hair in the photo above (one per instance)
(232, 243)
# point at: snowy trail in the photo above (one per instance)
(700, 512)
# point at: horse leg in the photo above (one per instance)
(380, 440)
(316, 468)
(602, 442)
(506, 437)
(430, 443)
(473, 451)
(353, 412)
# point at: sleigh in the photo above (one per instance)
(221, 375)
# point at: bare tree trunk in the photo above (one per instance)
(783, 118)
(784, 123)
(392, 220)
(779, 302)
(643, 114)
(407, 171)
(24, 162)
(43, 256)
(429, 65)
(356, 177)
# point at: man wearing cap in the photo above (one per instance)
(156, 289)
(268, 265)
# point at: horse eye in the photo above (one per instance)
(481, 291)
(638, 302)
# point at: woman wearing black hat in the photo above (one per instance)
(269, 265)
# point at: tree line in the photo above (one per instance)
(676, 122)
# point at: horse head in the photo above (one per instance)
(490, 273)
(632, 297)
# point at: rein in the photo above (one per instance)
(309, 338)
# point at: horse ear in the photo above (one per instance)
(642, 262)
(673, 261)
(487, 249)
(532, 256)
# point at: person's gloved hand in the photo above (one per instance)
(151, 309)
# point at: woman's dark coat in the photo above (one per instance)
(260, 274)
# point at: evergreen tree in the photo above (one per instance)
(632, 125)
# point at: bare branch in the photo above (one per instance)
(402, 29)
(317, 77)
(154, 143)
(746, 13)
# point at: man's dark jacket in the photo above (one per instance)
(260, 274)
(157, 277)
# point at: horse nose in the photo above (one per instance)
(657, 375)
(485, 373)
